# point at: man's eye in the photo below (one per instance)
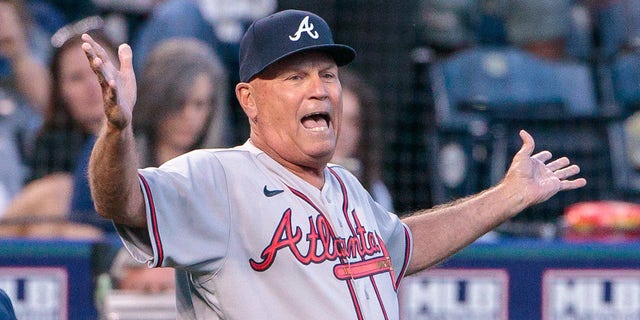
(329, 75)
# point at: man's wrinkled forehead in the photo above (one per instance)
(299, 61)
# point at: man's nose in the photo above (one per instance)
(318, 87)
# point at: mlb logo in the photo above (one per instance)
(591, 294)
(36, 293)
(456, 294)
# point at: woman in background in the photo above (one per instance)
(359, 143)
(73, 116)
(181, 101)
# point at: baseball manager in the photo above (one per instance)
(270, 229)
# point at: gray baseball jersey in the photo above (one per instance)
(251, 240)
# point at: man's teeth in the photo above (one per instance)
(315, 123)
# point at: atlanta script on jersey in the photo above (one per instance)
(254, 241)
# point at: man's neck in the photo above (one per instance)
(313, 175)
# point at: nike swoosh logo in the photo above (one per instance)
(271, 193)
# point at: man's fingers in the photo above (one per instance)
(527, 144)
(543, 156)
(97, 65)
(567, 172)
(98, 68)
(98, 50)
(573, 184)
(89, 46)
(558, 164)
(126, 56)
(94, 62)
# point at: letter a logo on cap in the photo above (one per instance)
(307, 27)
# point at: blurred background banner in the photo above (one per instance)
(525, 279)
(49, 279)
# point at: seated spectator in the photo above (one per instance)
(18, 126)
(131, 289)
(359, 141)
(446, 26)
(130, 275)
(540, 27)
(213, 22)
(230, 25)
(73, 116)
(181, 101)
(170, 19)
(24, 54)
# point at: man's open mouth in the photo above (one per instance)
(318, 121)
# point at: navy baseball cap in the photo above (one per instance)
(284, 33)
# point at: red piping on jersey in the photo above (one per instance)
(307, 200)
(345, 209)
(154, 221)
(345, 200)
(406, 258)
(352, 292)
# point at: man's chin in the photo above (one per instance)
(323, 157)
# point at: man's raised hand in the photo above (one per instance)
(539, 178)
(118, 84)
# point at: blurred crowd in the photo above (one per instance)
(553, 29)
(185, 58)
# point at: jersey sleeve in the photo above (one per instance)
(187, 212)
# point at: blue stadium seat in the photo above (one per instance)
(507, 79)
(625, 75)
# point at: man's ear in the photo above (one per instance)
(246, 98)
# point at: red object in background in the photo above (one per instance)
(602, 221)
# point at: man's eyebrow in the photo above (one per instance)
(300, 66)
(330, 65)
